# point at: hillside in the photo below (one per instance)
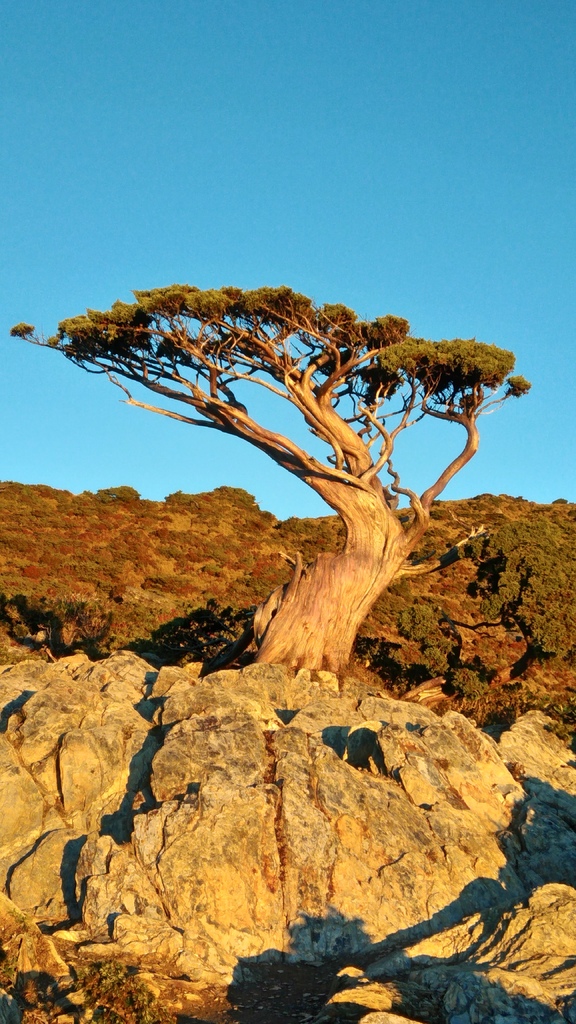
(103, 571)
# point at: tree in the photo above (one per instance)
(357, 384)
(526, 579)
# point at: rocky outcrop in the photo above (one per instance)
(211, 826)
(511, 965)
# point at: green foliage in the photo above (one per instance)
(8, 968)
(22, 330)
(381, 657)
(424, 625)
(80, 622)
(271, 330)
(527, 578)
(181, 499)
(450, 371)
(469, 681)
(200, 635)
(61, 626)
(120, 997)
(517, 386)
(126, 494)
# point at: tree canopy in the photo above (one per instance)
(191, 346)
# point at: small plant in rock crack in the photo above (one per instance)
(8, 969)
(119, 997)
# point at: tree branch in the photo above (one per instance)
(448, 558)
(467, 453)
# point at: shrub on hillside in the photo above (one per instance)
(198, 636)
(118, 996)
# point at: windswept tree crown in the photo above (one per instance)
(357, 383)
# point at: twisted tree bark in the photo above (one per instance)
(313, 621)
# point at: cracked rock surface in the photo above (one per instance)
(214, 826)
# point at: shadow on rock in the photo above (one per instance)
(120, 824)
(502, 951)
(70, 856)
(294, 985)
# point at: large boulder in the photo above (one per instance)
(213, 824)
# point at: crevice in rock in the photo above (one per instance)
(313, 784)
(274, 787)
(28, 853)
(330, 886)
(281, 846)
(270, 767)
(58, 772)
(155, 880)
(390, 864)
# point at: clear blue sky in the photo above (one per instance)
(407, 156)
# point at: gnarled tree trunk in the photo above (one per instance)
(313, 621)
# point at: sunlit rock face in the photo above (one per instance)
(208, 825)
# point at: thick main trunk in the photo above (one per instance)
(313, 623)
